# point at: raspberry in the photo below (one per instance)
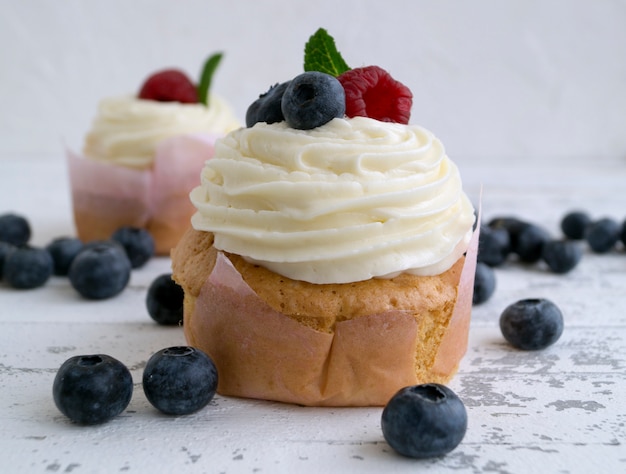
(372, 92)
(169, 85)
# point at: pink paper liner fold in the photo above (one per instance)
(264, 354)
(106, 196)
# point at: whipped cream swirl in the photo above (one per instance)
(348, 201)
(126, 130)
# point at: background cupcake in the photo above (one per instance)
(142, 156)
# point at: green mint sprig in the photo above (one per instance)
(320, 54)
(207, 75)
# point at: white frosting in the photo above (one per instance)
(126, 130)
(348, 201)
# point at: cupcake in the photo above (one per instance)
(331, 258)
(143, 155)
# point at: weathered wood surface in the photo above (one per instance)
(560, 410)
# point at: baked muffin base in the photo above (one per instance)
(334, 345)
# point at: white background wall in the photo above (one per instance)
(498, 79)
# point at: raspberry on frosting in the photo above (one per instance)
(169, 85)
(372, 92)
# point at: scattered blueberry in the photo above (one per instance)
(100, 271)
(14, 229)
(602, 235)
(5, 249)
(63, 250)
(484, 283)
(561, 256)
(494, 245)
(138, 243)
(179, 380)
(622, 234)
(424, 421)
(91, 389)
(512, 225)
(105, 242)
(574, 224)
(165, 300)
(530, 242)
(267, 108)
(313, 99)
(26, 268)
(531, 324)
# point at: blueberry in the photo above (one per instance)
(26, 268)
(530, 242)
(91, 389)
(267, 108)
(511, 224)
(602, 235)
(165, 300)
(313, 99)
(100, 271)
(179, 380)
(5, 249)
(63, 250)
(14, 229)
(622, 234)
(574, 224)
(494, 245)
(424, 421)
(484, 283)
(531, 324)
(138, 244)
(106, 243)
(561, 256)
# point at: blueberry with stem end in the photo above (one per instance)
(179, 380)
(424, 421)
(100, 271)
(92, 389)
(313, 99)
(531, 324)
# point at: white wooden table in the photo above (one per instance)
(561, 410)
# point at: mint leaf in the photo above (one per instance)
(207, 75)
(320, 54)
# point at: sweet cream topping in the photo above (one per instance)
(348, 201)
(127, 130)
